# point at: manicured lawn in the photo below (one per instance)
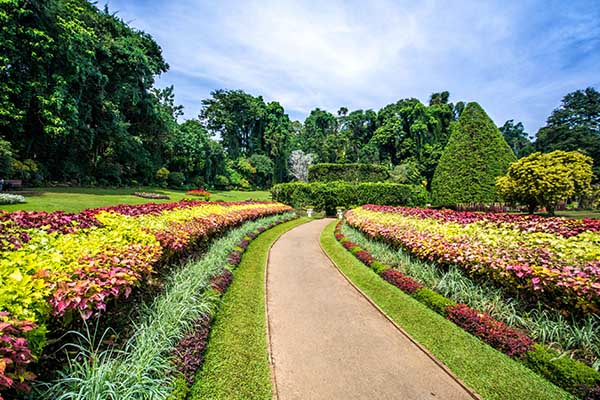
(236, 362)
(77, 199)
(489, 372)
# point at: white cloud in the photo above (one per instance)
(510, 58)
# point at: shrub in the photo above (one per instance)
(379, 267)
(401, 281)
(564, 372)
(495, 333)
(546, 179)
(328, 196)
(433, 300)
(162, 174)
(176, 179)
(476, 154)
(347, 172)
(6, 198)
(221, 181)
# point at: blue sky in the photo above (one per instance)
(517, 59)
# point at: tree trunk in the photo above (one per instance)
(531, 208)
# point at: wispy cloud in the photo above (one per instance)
(517, 60)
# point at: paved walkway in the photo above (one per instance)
(329, 342)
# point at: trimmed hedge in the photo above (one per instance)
(573, 376)
(328, 196)
(476, 154)
(347, 172)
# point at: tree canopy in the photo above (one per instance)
(574, 125)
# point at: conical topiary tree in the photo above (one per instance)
(476, 154)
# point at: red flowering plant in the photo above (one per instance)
(222, 281)
(500, 336)
(199, 193)
(401, 281)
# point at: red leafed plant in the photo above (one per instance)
(14, 354)
(222, 281)
(495, 333)
(401, 281)
(189, 352)
(365, 257)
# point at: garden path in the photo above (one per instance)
(327, 341)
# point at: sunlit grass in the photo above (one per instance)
(77, 199)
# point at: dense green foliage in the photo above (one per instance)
(357, 172)
(328, 196)
(562, 371)
(575, 125)
(78, 104)
(76, 93)
(475, 155)
(517, 138)
(546, 179)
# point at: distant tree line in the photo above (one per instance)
(78, 104)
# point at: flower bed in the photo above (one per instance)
(552, 260)
(64, 265)
(150, 195)
(571, 375)
(7, 198)
(199, 193)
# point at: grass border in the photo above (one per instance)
(489, 372)
(237, 359)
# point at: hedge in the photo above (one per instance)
(347, 172)
(328, 196)
(476, 154)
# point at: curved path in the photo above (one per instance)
(328, 342)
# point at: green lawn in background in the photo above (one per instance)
(77, 199)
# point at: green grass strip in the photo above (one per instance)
(236, 364)
(489, 372)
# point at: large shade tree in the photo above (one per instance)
(574, 125)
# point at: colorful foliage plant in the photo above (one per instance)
(553, 260)
(58, 264)
(495, 333)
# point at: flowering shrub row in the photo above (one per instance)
(495, 333)
(560, 268)
(584, 383)
(59, 264)
(530, 223)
